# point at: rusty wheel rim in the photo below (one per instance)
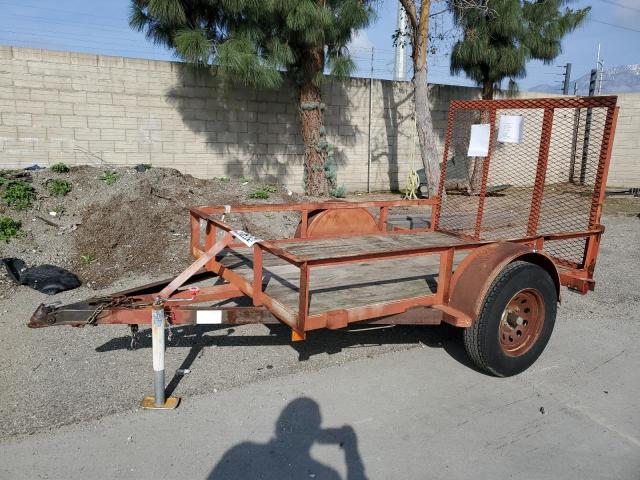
(521, 322)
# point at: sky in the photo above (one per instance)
(102, 27)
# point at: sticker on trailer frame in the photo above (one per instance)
(246, 238)
(209, 317)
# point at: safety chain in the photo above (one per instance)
(112, 302)
(135, 337)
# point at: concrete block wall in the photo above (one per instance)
(101, 110)
(625, 162)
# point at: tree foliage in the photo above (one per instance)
(260, 43)
(497, 42)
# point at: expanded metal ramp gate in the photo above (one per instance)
(548, 182)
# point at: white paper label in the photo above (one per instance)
(510, 129)
(246, 238)
(209, 317)
(479, 141)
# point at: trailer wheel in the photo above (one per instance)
(515, 321)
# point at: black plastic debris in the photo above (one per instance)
(47, 279)
(33, 168)
(142, 167)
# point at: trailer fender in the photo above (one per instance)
(475, 274)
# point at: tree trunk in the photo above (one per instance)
(424, 123)
(426, 135)
(312, 119)
(487, 89)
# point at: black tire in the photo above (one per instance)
(482, 339)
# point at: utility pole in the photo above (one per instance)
(600, 77)
(399, 71)
(567, 79)
(587, 128)
(592, 82)
(600, 69)
(369, 139)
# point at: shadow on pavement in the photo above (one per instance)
(197, 338)
(287, 455)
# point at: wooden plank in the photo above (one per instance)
(366, 244)
(342, 286)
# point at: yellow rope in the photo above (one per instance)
(413, 180)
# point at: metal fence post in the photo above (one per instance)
(158, 400)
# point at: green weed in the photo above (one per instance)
(110, 177)
(60, 168)
(18, 194)
(58, 187)
(261, 194)
(9, 228)
(87, 259)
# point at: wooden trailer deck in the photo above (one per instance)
(351, 285)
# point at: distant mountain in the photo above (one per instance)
(624, 78)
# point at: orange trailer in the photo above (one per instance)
(490, 259)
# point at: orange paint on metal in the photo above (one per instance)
(521, 322)
(331, 223)
(541, 171)
(485, 174)
(257, 275)
(303, 307)
(297, 336)
(476, 273)
(196, 266)
(454, 317)
(444, 276)
(382, 219)
(195, 232)
(283, 207)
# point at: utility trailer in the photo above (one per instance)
(490, 263)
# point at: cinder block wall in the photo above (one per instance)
(103, 110)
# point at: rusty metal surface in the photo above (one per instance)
(478, 270)
(170, 403)
(339, 222)
(521, 322)
(310, 206)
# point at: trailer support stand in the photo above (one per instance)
(158, 401)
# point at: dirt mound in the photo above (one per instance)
(137, 224)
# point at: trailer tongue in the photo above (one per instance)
(490, 264)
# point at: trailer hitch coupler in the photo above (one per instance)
(42, 317)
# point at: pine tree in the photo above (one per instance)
(497, 42)
(262, 43)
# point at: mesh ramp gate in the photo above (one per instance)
(551, 182)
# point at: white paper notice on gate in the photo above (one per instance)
(510, 128)
(479, 141)
(246, 238)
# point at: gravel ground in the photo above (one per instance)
(56, 376)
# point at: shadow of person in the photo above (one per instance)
(287, 455)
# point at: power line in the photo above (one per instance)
(610, 2)
(57, 10)
(614, 25)
(94, 26)
(82, 40)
